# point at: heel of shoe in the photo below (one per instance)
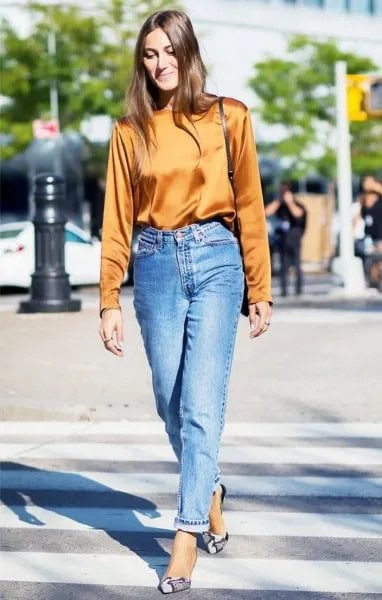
(224, 491)
(214, 542)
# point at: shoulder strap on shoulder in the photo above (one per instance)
(226, 139)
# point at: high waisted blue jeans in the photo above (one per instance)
(188, 287)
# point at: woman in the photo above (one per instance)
(167, 172)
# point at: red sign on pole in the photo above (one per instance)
(46, 129)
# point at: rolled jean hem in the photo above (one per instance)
(191, 527)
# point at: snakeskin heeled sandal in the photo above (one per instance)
(213, 541)
(170, 585)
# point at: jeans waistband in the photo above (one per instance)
(172, 236)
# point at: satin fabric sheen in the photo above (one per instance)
(185, 182)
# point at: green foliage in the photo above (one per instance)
(299, 94)
(92, 65)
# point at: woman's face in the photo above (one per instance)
(159, 61)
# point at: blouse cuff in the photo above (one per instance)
(255, 297)
(109, 303)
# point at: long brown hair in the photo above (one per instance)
(142, 95)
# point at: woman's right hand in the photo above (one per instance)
(111, 331)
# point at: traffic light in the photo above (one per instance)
(373, 97)
(364, 97)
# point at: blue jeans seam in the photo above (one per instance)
(181, 456)
(190, 270)
(226, 378)
(180, 269)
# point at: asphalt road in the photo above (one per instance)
(89, 483)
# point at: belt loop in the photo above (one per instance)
(159, 240)
(196, 232)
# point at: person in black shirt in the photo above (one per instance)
(371, 212)
(371, 209)
(292, 223)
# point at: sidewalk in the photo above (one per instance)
(319, 361)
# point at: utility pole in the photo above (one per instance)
(54, 114)
(53, 96)
(349, 266)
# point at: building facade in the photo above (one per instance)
(235, 34)
(364, 7)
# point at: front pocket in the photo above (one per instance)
(218, 236)
(145, 249)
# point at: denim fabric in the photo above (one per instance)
(188, 287)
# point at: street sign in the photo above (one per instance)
(43, 130)
(364, 97)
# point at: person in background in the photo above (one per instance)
(358, 229)
(371, 212)
(292, 216)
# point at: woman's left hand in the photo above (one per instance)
(259, 318)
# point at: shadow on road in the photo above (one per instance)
(75, 492)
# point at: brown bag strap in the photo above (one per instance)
(229, 163)
(227, 148)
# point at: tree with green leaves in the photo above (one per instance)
(92, 64)
(298, 93)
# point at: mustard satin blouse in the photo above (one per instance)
(185, 182)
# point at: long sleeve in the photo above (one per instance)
(250, 209)
(117, 221)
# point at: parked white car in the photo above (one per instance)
(17, 260)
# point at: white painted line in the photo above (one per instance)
(238, 522)
(255, 574)
(324, 316)
(301, 455)
(131, 428)
(153, 483)
(49, 428)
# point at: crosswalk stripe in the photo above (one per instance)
(150, 483)
(254, 574)
(42, 428)
(313, 430)
(94, 541)
(245, 523)
(97, 488)
(229, 454)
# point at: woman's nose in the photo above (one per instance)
(162, 61)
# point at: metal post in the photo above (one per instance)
(53, 97)
(50, 290)
(53, 83)
(350, 267)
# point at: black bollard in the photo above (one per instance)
(50, 289)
